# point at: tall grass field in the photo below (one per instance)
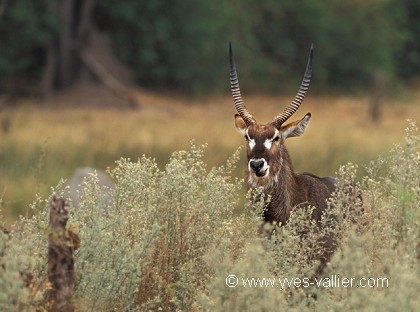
(40, 145)
(178, 232)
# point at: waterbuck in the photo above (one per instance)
(268, 163)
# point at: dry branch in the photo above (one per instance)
(2, 7)
(112, 83)
(61, 245)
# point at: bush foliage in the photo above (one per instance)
(26, 28)
(182, 45)
(168, 239)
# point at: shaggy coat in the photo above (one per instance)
(269, 164)
(288, 190)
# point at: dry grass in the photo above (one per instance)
(46, 143)
(165, 239)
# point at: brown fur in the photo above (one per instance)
(290, 190)
(269, 164)
(287, 190)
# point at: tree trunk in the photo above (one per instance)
(61, 245)
(378, 94)
(2, 6)
(80, 51)
(63, 61)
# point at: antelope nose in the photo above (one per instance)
(256, 165)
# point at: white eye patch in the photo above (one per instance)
(269, 142)
(251, 142)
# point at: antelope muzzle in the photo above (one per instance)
(259, 167)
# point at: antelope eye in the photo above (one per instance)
(246, 137)
(276, 139)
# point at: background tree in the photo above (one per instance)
(408, 60)
(26, 27)
(74, 28)
(182, 45)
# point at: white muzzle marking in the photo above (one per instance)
(259, 167)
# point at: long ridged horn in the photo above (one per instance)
(292, 108)
(236, 92)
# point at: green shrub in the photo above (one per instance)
(26, 28)
(144, 247)
(168, 239)
(378, 239)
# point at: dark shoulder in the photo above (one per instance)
(329, 181)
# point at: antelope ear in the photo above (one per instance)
(240, 124)
(295, 128)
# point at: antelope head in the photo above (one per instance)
(266, 152)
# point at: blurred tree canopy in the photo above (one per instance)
(182, 45)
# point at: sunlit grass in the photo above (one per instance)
(45, 144)
(166, 239)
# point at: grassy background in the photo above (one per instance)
(168, 235)
(39, 145)
(165, 240)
